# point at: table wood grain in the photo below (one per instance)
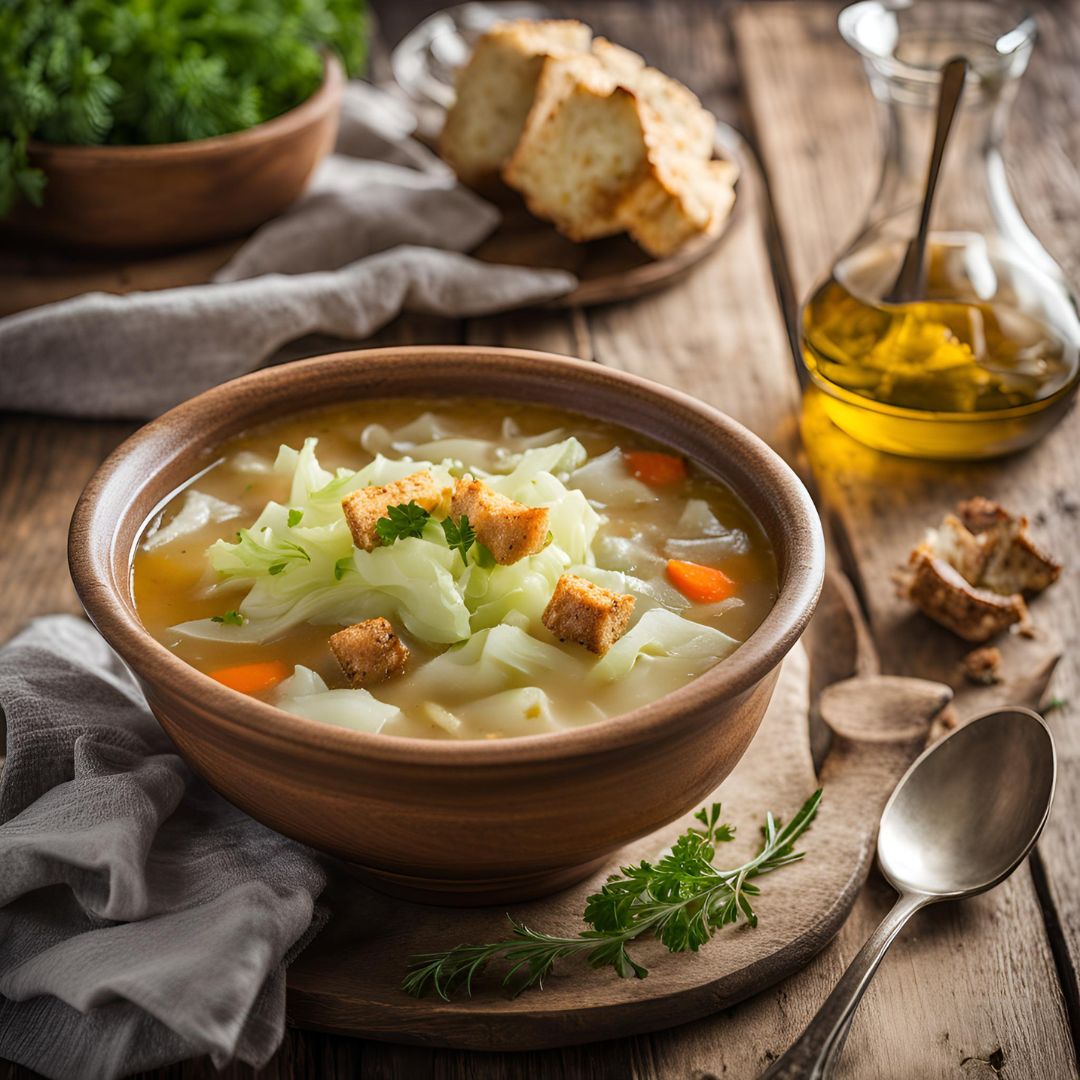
(983, 990)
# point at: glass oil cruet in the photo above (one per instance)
(987, 359)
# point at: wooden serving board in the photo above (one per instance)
(349, 979)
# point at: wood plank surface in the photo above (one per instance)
(967, 992)
(821, 158)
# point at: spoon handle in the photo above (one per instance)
(910, 282)
(814, 1050)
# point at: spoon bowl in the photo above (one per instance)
(961, 820)
(970, 808)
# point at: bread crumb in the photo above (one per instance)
(982, 666)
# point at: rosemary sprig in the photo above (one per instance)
(683, 899)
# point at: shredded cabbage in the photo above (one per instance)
(197, 510)
(606, 481)
(660, 632)
(499, 658)
(305, 694)
(297, 564)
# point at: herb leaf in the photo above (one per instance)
(230, 618)
(131, 72)
(342, 567)
(401, 521)
(683, 899)
(460, 535)
(295, 517)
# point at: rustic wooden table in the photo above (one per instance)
(987, 989)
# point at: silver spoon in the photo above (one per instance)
(910, 283)
(960, 821)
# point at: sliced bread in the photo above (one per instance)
(495, 91)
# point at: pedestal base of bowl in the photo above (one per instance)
(447, 892)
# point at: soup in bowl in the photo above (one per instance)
(468, 619)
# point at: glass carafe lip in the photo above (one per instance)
(869, 27)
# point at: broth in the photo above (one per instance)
(693, 518)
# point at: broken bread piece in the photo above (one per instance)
(495, 91)
(589, 614)
(970, 573)
(611, 145)
(682, 197)
(509, 530)
(583, 148)
(364, 507)
(369, 652)
(1012, 560)
(940, 591)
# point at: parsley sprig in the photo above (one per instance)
(683, 899)
(402, 521)
(460, 535)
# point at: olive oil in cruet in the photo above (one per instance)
(987, 358)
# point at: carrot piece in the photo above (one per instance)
(651, 467)
(702, 584)
(252, 678)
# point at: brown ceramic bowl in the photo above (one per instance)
(175, 195)
(457, 821)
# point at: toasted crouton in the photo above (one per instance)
(589, 614)
(364, 507)
(940, 591)
(509, 530)
(369, 652)
(495, 91)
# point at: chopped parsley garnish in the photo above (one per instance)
(275, 569)
(295, 517)
(460, 535)
(342, 567)
(401, 521)
(231, 618)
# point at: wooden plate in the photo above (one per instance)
(608, 270)
(348, 980)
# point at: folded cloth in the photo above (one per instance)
(372, 236)
(144, 920)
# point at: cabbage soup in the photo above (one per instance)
(459, 570)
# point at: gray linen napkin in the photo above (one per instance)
(373, 235)
(143, 919)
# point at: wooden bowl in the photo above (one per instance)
(458, 822)
(175, 195)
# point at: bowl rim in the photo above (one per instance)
(91, 556)
(324, 98)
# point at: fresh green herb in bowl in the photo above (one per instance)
(138, 72)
